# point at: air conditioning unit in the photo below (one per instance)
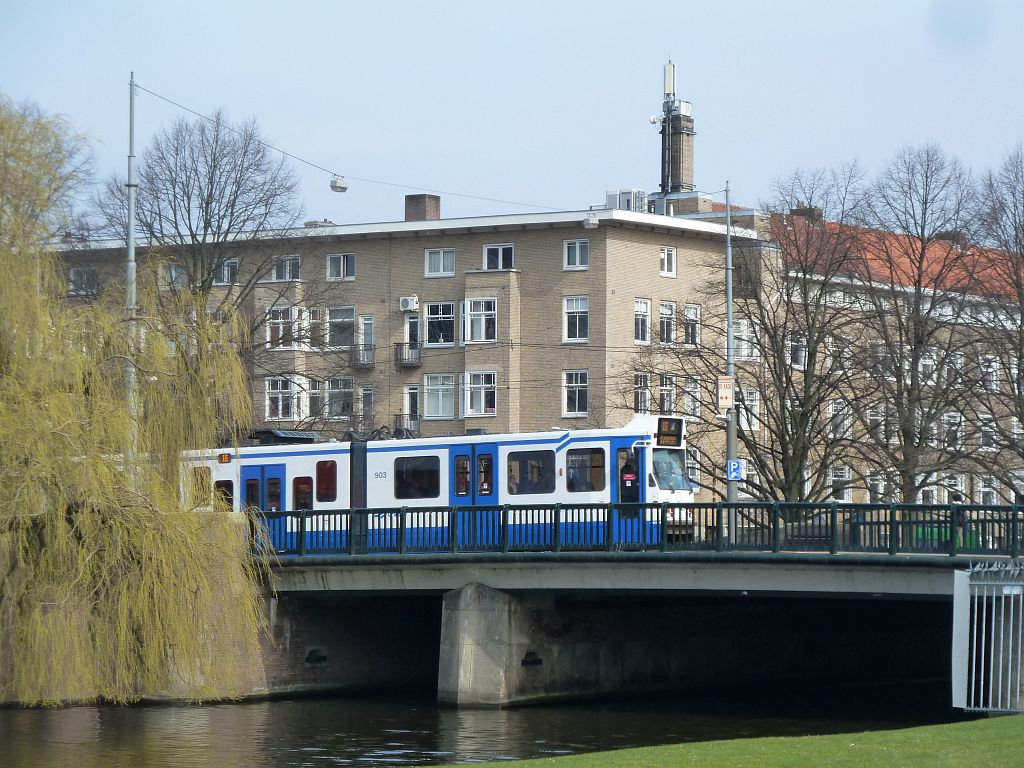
(409, 303)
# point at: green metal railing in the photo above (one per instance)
(974, 530)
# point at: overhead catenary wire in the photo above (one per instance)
(319, 167)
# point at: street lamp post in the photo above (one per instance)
(131, 302)
(730, 370)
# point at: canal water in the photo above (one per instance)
(413, 730)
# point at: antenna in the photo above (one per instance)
(670, 80)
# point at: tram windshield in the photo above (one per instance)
(670, 469)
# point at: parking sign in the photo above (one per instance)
(733, 469)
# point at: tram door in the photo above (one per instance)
(473, 484)
(263, 487)
(628, 490)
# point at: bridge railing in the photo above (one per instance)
(755, 527)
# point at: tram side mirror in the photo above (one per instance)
(650, 480)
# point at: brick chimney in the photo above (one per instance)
(422, 207)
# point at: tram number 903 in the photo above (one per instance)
(380, 475)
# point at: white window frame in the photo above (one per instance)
(315, 403)
(691, 397)
(693, 466)
(438, 396)
(953, 485)
(574, 384)
(989, 373)
(641, 321)
(365, 405)
(841, 474)
(500, 252)
(952, 421)
(749, 410)
(284, 269)
(796, 349)
(744, 339)
(281, 391)
(225, 273)
(575, 308)
(691, 325)
(442, 255)
(667, 394)
(987, 433)
(641, 392)
(440, 316)
(478, 312)
(286, 321)
(667, 322)
(667, 261)
(575, 255)
(840, 419)
(336, 316)
(174, 275)
(988, 490)
(339, 390)
(341, 266)
(476, 387)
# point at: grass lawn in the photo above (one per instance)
(989, 743)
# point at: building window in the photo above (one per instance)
(499, 256)
(987, 439)
(366, 407)
(577, 254)
(284, 268)
(577, 318)
(749, 403)
(341, 266)
(879, 487)
(282, 397)
(226, 273)
(952, 370)
(315, 397)
(482, 324)
(82, 282)
(315, 327)
(667, 322)
(175, 276)
(989, 365)
(642, 321)
(691, 325)
(481, 393)
(880, 362)
(439, 262)
(575, 386)
(796, 349)
(667, 394)
(839, 478)
(749, 485)
(840, 350)
(668, 261)
(441, 322)
(410, 408)
(339, 398)
(341, 326)
(744, 337)
(840, 419)
(691, 397)
(926, 366)
(988, 490)
(880, 423)
(952, 430)
(439, 396)
(642, 393)
(282, 328)
(693, 466)
(953, 485)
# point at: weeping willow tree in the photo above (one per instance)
(117, 580)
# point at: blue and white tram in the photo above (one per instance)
(610, 482)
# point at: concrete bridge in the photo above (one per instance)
(826, 594)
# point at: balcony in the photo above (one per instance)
(363, 356)
(409, 422)
(407, 355)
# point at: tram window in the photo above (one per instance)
(484, 474)
(225, 490)
(584, 470)
(531, 472)
(326, 481)
(252, 493)
(418, 477)
(462, 475)
(302, 493)
(199, 487)
(273, 494)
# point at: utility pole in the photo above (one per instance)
(730, 370)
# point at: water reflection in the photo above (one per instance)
(414, 731)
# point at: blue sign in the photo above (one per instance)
(733, 469)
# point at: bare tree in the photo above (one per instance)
(791, 344)
(1001, 407)
(917, 296)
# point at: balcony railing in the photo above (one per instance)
(363, 356)
(407, 355)
(407, 421)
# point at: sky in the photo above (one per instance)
(537, 105)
